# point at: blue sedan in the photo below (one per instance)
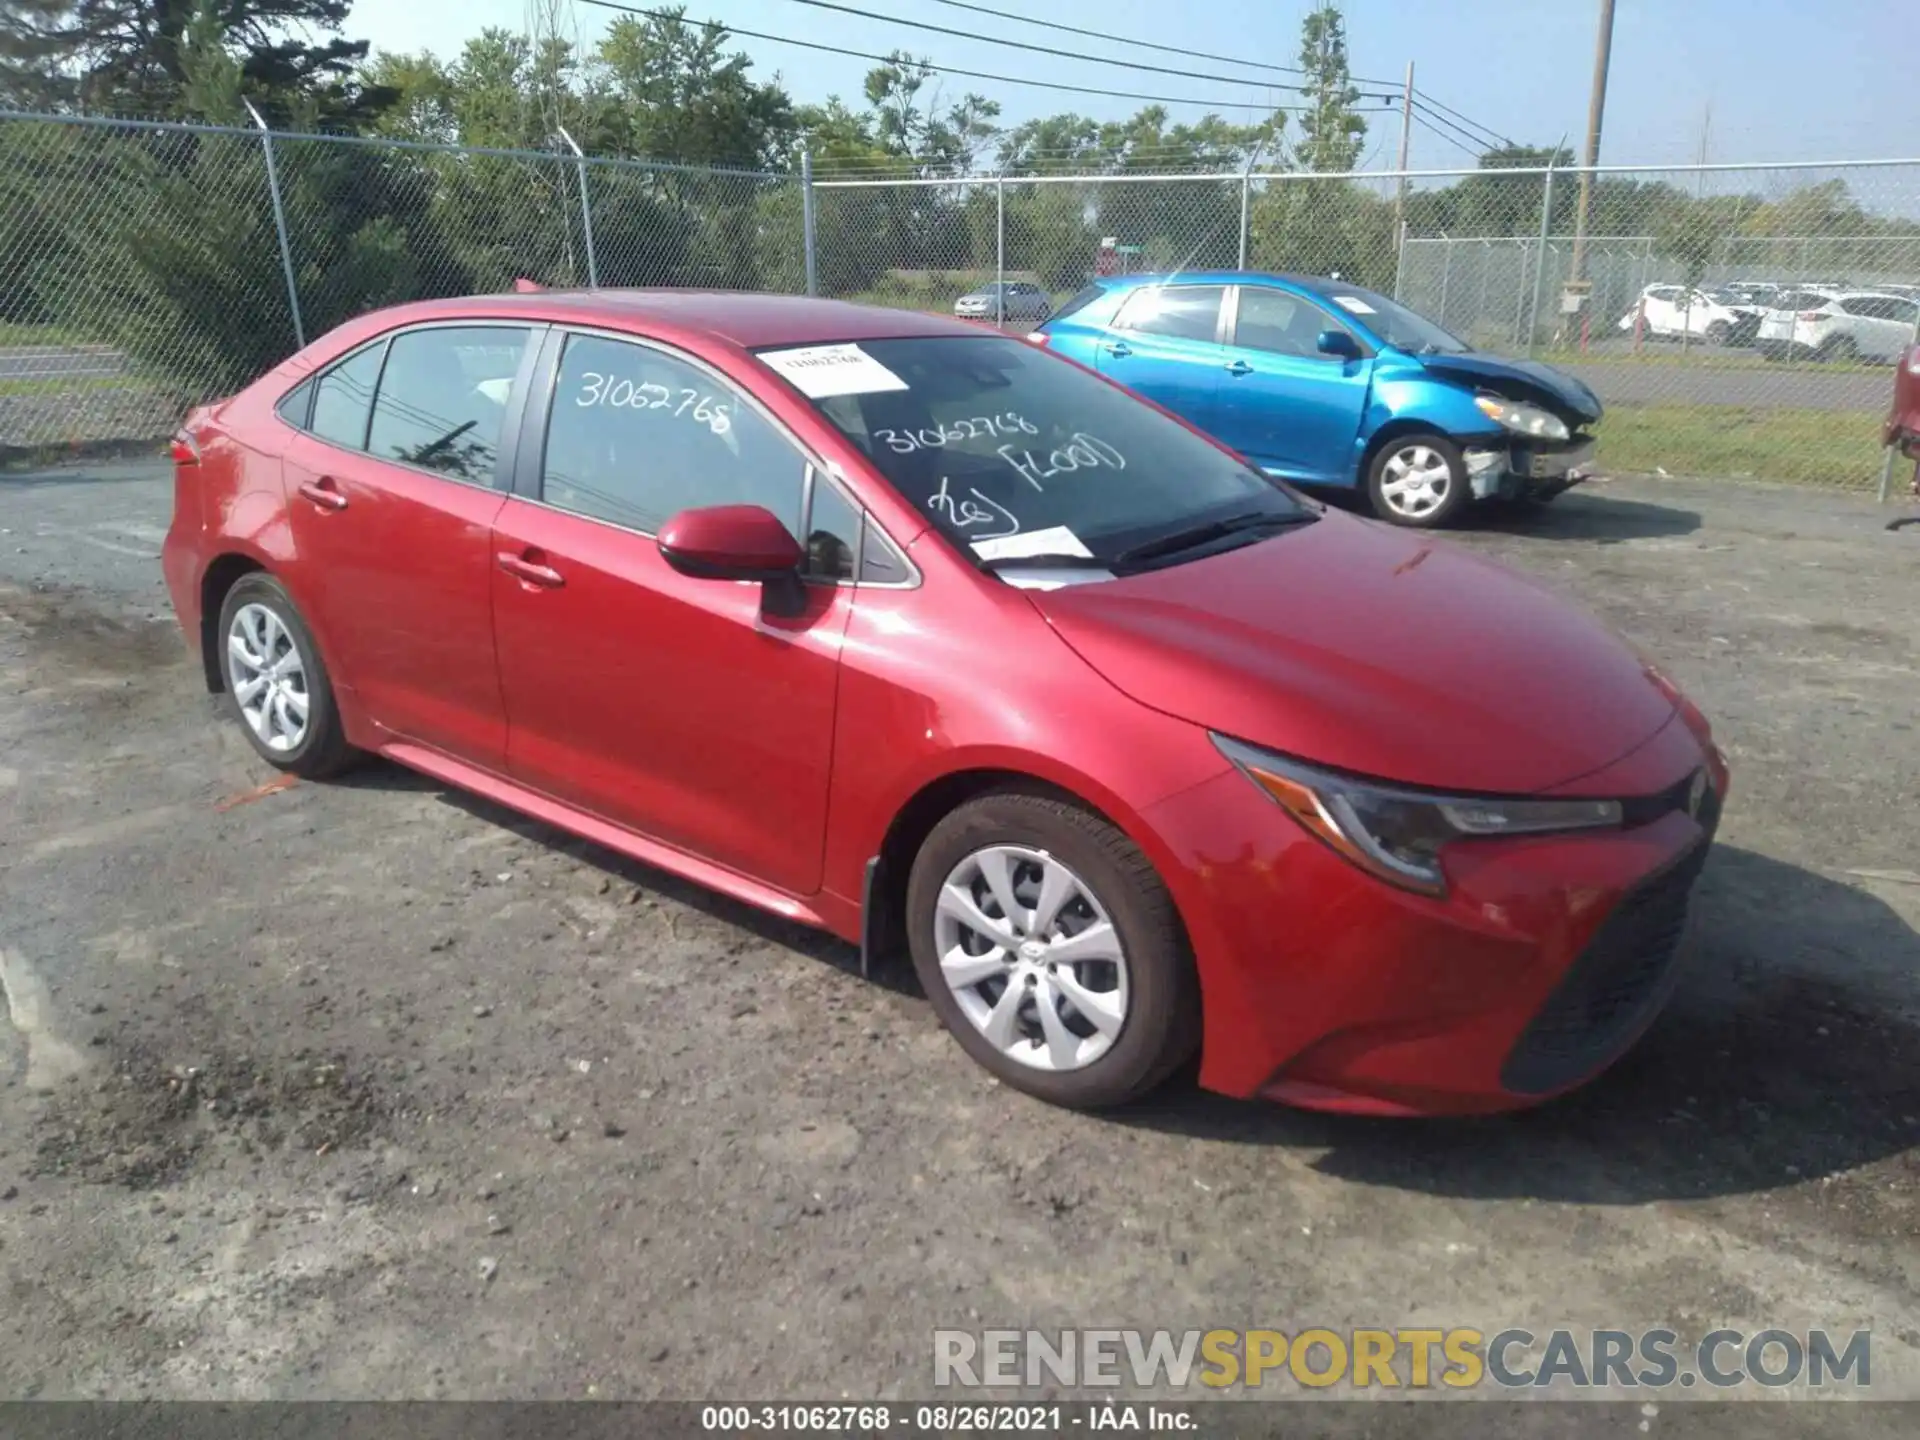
(1323, 383)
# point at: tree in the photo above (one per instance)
(1331, 131)
(133, 56)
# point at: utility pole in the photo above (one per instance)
(1406, 143)
(1596, 107)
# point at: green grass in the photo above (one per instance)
(13, 333)
(1838, 448)
(71, 384)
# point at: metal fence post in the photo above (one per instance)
(586, 207)
(280, 226)
(1246, 203)
(806, 220)
(1540, 267)
(1000, 249)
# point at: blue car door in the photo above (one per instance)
(1283, 404)
(1165, 344)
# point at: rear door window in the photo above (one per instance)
(1177, 312)
(1080, 301)
(443, 398)
(343, 396)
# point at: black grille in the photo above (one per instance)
(1620, 979)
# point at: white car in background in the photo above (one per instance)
(1850, 325)
(1671, 311)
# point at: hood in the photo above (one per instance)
(1364, 648)
(1529, 377)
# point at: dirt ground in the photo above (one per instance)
(368, 1089)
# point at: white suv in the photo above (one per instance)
(1853, 325)
(1670, 311)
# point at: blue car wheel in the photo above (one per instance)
(1418, 480)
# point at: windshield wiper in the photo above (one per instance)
(1212, 530)
(1044, 560)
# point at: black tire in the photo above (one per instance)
(1719, 333)
(1838, 349)
(1458, 493)
(323, 749)
(1161, 1029)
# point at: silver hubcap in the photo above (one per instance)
(1415, 481)
(1032, 956)
(268, 678)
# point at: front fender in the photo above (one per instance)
(1406, 392)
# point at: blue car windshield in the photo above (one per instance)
(1009, 450)
(1394, 322)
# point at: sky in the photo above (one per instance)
(1756, 80)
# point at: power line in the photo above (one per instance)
(1477, 145)
(1240, 80)
(1495, 135)
(725, 29)
(1428, 126)
(1141, 44)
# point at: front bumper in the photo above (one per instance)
(1505, 469)
(1326, 988)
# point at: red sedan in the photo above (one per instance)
(934, 639)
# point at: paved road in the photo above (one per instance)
(1758, 387)
(370, 1089)
(60, 362)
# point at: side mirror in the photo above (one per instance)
(1339, 343)
(730, 542)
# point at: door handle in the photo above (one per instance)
(529, 568)
(1119, 349)
(1239, 367)
(324, 493)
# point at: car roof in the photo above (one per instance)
(1313, 284)
(744, 318)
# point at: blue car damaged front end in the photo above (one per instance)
(1524, 429)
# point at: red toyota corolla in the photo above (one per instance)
(1136, 752)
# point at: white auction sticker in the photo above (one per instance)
(1353, 303)
(1054, 540)
(822, 371)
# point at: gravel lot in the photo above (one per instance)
(368, 1089)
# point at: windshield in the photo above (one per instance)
(1395, 323)
(1012, 451)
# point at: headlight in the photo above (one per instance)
(1522, 418)
(1397, 834)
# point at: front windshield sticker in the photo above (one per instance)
(822, 371)
(982, 517)
(1054, 540)
(1082, 452)
(1354, 303)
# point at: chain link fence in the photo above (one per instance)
(1737, 320)
(146, 267)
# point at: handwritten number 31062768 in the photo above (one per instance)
(612, 393)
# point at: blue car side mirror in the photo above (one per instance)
(1338, 342)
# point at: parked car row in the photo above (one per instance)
(1807, 321)
(925, 636)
